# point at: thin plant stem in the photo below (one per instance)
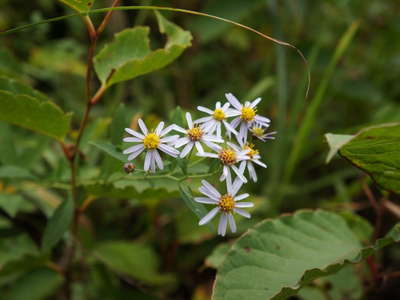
(106, 19)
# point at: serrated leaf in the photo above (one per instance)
(277, 257)
(335, 142)
(38, 284)
(58, 224)
(16, 87)
(129, 55)
(79, 5)
(376, 151)
(41, 116)
(133, 259)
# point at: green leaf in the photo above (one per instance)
(335, 142)
(36, 285)
(41, 116)
(129, 55)
(215, 259)
(283, 254)
(199, 209)
(376, 151)
(58, 224)
(133, 259)
(79, 5)
(16, 87)
(15, 172)
(111, 150)
(16, 247)
(10, 203)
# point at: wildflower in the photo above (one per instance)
(150, 142)
(216, 119)
(259, 132)
(229, 156)
(226, 204)
(246, 116)
(253, 157)
(195, 135)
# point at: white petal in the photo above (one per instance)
(186, 150)
(235, 122)
(134, 133)
(207, 218)
(210, 188)
(229, 127)
(234, 146)
(218, 129)
(239, 174)
(189, 120)
(225, 106)
(212, 138)
(223, 220)
(261, 119)
(169, 150)
(259, 163)
(252, 172)
(244, 204)
(143, 126)
(218, 105)
(181, 142)
(135, 154)
(204, 109)
(255, 102)
(133, 149)
(199, 147)
(241, 197)
(132, 140)
(205, 200)
(159, 128)
(234, 101)
(237, 184)
(176, 128)
(169, 128)
(169, 139)
(206, 192)
(207, 154)
(153, 163)
(232, 223)
(213, 146)
(242, 212)
(158, 160)
(203, 120)
(147, 160)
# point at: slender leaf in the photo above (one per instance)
(277, 257)
(41, 116)
(111, 150)
(79, 5)
(58, 224)
(376, 151)
(129, 55)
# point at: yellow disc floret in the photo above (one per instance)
(227, 156)
(151, 141)
(248, 114)
(252, 152)
(226, 203)
(257, 131)
(195, 133)
(219, 114)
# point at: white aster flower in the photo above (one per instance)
(226, 204)
(216, 119)
(229, 156)
(151, 141)
(253, 158)
(195, 135)
(247, 116)
(260, 133)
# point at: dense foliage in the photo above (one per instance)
(78, 221)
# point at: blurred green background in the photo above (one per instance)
(353, 53)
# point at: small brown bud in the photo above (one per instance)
(129, 167)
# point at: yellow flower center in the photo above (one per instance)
(151, 141)
(227, 156)
(226, 203)
(248, 114)
(195, 133)
(252, 152)
(219, 114)
(257, 131)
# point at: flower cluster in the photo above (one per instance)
(213, 133)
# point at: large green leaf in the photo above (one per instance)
(32, 113)
(335, 142)
(58, 224)
(376, 151)
(36, 285)
(133, 259)
(277, 257)
(79, 5)
(15, 247)
(17, 87)
(129, 55)
(9, 171)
